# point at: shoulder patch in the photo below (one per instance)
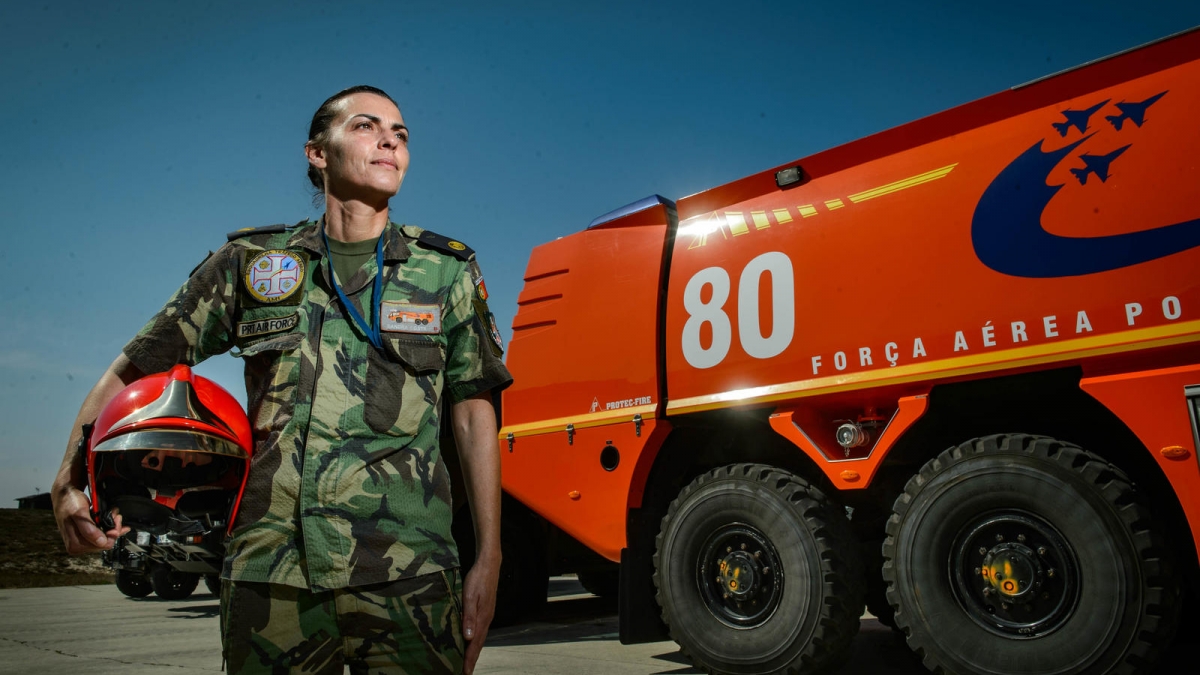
(446, 245)
(248, 231)
(273, 277)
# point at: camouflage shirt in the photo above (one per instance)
(347, 485)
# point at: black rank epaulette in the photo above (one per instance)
(266, 229)
(446, 245)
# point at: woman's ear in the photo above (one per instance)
(315, 155)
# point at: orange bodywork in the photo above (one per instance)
(994, 238)
(584, 337)
(1149, 403)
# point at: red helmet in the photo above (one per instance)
(169, 450)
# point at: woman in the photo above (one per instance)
(352, 328)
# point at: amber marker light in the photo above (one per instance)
(1175, 452)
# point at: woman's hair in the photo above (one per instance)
(318, 131)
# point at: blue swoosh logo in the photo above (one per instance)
(1008, 236)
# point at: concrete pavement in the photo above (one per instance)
(97, 631)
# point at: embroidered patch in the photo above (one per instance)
(477, 279)
(401, 317)
(264, 326)
(495, 331)
(272, 276)
(456, 245)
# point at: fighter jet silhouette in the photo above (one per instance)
(1097, 164)
(1077, 119)
(1134, 112)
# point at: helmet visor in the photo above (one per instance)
(177, 440)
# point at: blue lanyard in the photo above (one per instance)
(372, 332)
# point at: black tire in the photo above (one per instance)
(876, 587)
(1023, 554)
(734, 524)
(171, 584)
(524, 579)
(604, 583)
(133, 585)
(213, 583)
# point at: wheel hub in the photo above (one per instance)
(739, 576)
(1014, 574)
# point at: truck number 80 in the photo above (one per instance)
(757, 345)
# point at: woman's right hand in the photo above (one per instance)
(80, 534)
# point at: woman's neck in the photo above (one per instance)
(351, 221)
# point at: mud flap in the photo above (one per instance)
(640, 617)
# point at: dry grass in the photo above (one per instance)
(32, 554)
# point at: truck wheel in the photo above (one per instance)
(524, 580)
(876, 588)
(756, 572)
(171, 584)
(213, 583)
(524, 576)
(1023, 554)
(604, 583)
(133, 585)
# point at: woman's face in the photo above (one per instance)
(366, 155)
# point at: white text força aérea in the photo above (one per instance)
(779, 268)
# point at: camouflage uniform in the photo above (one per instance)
(347, 487)
(407, 626)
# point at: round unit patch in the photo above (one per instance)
(272, 276)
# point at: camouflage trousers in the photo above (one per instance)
(407, 626)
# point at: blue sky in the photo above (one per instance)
(135, 135)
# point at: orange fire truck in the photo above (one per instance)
(951, 371)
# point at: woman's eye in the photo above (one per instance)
(403, 138)
(363, 125)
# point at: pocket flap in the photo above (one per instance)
(420, 355)
(283, 343)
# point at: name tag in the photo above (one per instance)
(264, 326)
(402, 317)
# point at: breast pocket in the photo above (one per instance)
(403, 383)
(272, 376)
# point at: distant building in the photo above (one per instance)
(39, 501)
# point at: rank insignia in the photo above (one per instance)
(456, 245)
(401, 317)
(274, 276)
